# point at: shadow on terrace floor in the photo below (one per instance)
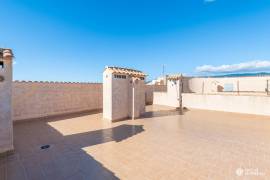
(65, 158)
(161, 111)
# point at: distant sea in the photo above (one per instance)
(241, 74)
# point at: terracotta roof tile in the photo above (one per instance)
(174, 77)
(5, 53)
(125, 71)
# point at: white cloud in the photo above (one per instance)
(14, 62)
(250, 66)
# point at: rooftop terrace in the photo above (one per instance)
(163, 145)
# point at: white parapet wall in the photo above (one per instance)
(165, 99)
(212, 84)
(42, 99)
(169, 97)
(149, 92)
(258, 105)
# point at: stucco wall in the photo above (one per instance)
(139, 99)
(149, 92)
(259, 105)
(6, 128)
(170, 97)
(107, 95)
(41, 99)
(120, 98)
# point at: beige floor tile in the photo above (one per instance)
(162, 145)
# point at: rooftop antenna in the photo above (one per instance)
(163, 70)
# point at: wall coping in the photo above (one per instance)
(224, 94)
(54, 82)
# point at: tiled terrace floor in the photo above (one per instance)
(164, 145)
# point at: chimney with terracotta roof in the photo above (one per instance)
(123, 93)
(6, 125)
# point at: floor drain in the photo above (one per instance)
(45, 147)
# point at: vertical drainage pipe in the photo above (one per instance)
(133, 99)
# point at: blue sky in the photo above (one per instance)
(73, 40)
